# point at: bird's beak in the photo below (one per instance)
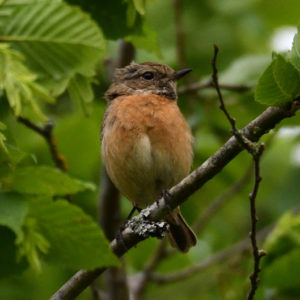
(179, 74)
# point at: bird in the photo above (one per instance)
(146, 144)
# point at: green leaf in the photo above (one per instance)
(13, 209)
(57, 40)
(80, 91)
(44, 180)
(19, 83)
(284, 238)
(3, 138)
(33, 244)
(112, 16)
(294, 54)
(140, 6)
(76, 241)
(280, 83)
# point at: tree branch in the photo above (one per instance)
(47, 133)
(194, 181)
(238, 248)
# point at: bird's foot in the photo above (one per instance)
(119, 236)
(167, 197)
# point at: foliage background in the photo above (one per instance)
(44, 242)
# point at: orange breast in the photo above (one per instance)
(146, 146)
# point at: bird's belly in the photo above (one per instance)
(143, 172)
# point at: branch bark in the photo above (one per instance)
(194, 181)
(47, 133)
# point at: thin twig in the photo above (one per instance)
(180, 192)
(197, 86)
(47, 133)
(238, 248)
(255, 150)
(219, 202)
(257, 254)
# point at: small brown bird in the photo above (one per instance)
(146, 142)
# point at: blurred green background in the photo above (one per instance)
(246, 32)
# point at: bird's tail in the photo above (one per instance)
(180, 234)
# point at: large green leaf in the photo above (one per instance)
(280, 83)
(57, 40)
(44, 180)
(76, 241)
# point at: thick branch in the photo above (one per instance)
(47, 133)
(194, 181)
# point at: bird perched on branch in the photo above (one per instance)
(146, 142)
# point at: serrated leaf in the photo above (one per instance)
(294, 54)
(280, 83)
(80, 91)
(13, 209)
(19, 83)
(57, 40)
(33, 244)
(44, 180)
(76, 241)
(286, 77)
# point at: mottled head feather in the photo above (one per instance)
(130, 81)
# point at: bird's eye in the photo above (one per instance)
(148, 75)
